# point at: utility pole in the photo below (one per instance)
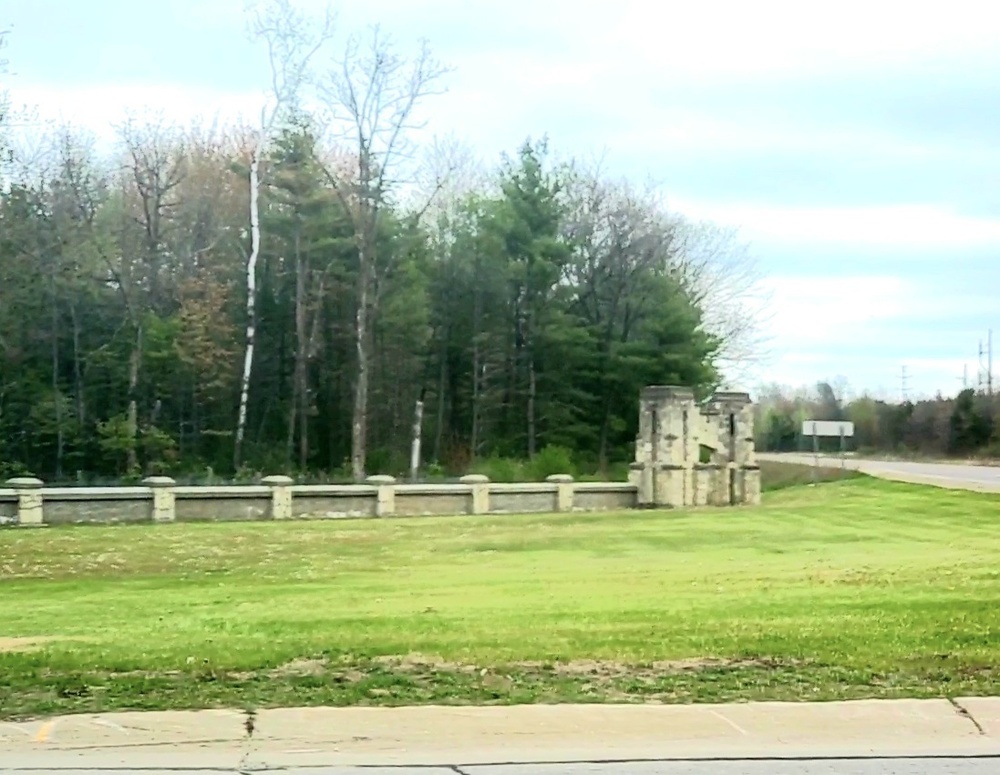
(979, 369)
(989, 363)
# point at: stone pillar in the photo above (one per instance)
(164, 502)
(703, 483)
(640, 475)
(663, 453)
(29, 500)
(281, 495)
(480, 492)
(750, 494)
(564, 491)
(668, 489)
(385, 503)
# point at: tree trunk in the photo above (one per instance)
(81, 413)
(359, 419)
(56, 397)
(241, 422)
(418, 422)
(132, 417)
(477, 311)
(442, 382)
(602, 451)
(301, 390)
(532, 394)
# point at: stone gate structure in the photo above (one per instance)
(691, 454)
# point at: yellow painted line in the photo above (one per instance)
(44, 731)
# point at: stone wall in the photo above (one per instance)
(8, 506)
(676, 435)
(27, 502)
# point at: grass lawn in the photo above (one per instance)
(860, 588)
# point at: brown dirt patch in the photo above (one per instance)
(300, 668)
(34, 643)
(582, 667)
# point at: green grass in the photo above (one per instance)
(778, 475)
(859, 588)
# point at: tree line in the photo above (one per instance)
(963, 426)
(289, 298)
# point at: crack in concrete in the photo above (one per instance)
(250, 725)
(251, 722)
(964, 713)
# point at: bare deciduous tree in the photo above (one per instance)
(292, 40)
(5, 152)
(724, 279)
(154, 168)
(372, 95)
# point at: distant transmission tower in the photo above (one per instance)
(989, 363)
(985, 380)
(904, 392)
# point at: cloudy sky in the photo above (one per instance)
(856, 145)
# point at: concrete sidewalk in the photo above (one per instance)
(487, 735)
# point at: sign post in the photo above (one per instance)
(828, 429)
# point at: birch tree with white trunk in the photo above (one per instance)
(293, 39)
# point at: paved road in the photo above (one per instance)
(953, 475)
(921, 766)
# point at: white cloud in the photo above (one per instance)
(904, 226)
(815, 312)
(733, 39)
(816, 320)
(99, 108)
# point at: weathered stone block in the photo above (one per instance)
(164, 498)
(281, 495)
(29, 500)
(480, 486)
(385, 495)
(564, 491)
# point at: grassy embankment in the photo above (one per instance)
(859, 588)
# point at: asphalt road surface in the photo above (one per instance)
(916, 766)
(953, 475)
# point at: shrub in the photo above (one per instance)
(551, 460)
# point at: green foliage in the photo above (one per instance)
(971, 423)
(551, 460)
(115, 438)
(525, 316)
(963, 426)
(500, 469)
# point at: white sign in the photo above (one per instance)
(827, 428)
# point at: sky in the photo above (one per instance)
(855, 146)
